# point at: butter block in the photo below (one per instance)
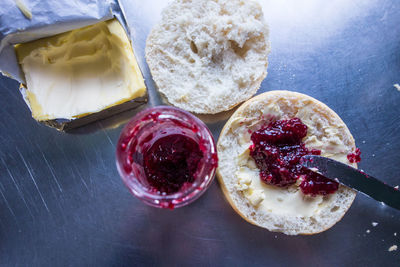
(79, 73)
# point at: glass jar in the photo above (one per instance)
(151, 130)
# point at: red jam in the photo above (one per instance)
(277, 150)
(354, 157)
(171, 161)
(166, 157)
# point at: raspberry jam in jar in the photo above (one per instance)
(166, 157)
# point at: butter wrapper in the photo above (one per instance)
(23, 21)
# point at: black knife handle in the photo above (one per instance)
(380, 191)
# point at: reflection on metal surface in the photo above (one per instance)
(33, 178)
(313, 19)
(66, 205)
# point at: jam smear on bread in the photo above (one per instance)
(277, 150)
(354, 157)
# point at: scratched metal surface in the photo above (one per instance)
(63, 204)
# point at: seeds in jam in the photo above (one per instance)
(277, 150)
(171, 162)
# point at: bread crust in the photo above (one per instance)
(223, 179)
(208, 56)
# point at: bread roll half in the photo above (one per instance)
(208, 56)
(283, 209)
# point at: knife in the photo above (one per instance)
(351, 177)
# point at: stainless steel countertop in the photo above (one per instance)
(63, 203)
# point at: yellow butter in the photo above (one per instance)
(274, 199)
(80, 72)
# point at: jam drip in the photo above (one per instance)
(277, 150)
(171, 162)
(354, 157)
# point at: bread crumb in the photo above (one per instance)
(368, 231)
(397, 86)
(392, 248)
(24, 9)
(374, 224)
(184, 98)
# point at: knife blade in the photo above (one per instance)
(354, 178)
